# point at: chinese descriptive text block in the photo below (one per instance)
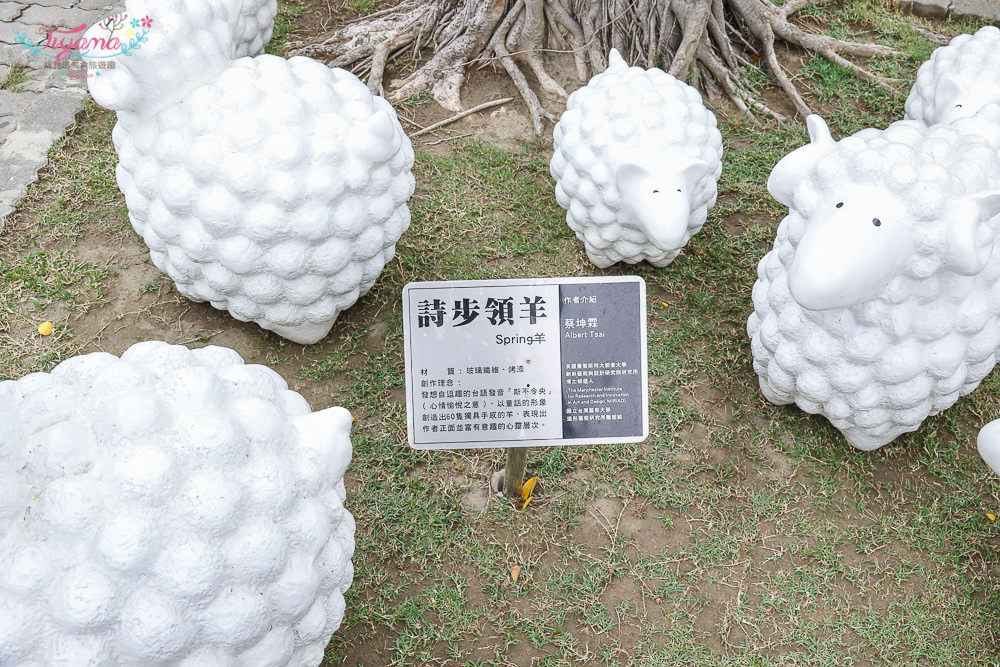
(517, 363)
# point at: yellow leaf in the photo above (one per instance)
(527, 501)
(664, 304)
(515, 572)
(45, 328)
(528, 487)
(992, 518)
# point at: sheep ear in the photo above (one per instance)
(329, 433)
(615, 60)
(819, 131)
(693, 173)
(628, 175)
(792, 168)
(948, 90)
(966, 255)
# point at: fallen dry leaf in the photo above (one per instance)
(528, 487)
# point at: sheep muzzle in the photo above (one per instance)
(855, 242)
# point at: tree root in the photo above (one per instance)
(460, 115)
(706, 42)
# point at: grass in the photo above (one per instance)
(43, 276)
(363, 6)
(17, 74)
(739, 533)
(284, 25)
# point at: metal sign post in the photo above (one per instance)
(514, 470)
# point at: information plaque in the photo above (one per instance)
(518, 363)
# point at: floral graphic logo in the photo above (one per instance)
(123, 36)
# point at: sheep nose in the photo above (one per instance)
(668, 235)
(807, 291)
(821, 280)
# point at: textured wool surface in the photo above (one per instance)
(985, 124)
(633, 116)
(930, 333)
(958, 80)
(253, 23)
(275, 189)
(171, 507)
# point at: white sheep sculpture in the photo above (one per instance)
(636, 161)
(171, 507)
(878, 305)
(988, 444)
(274, 189)
(958, 80)
(253, 24)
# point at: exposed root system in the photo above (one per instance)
(706, 42)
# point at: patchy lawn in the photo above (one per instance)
(739, 533)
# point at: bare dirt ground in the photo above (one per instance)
(601, 513)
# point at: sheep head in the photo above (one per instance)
(954, 98)
(855, 241)
(187, 45)
(658, 199)
(792, 168)
(860, 237)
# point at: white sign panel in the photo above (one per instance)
(535, 362)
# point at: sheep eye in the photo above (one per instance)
(876, 222)
(656, 192)
(958, 106)
(678, 189)
(839, 204)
